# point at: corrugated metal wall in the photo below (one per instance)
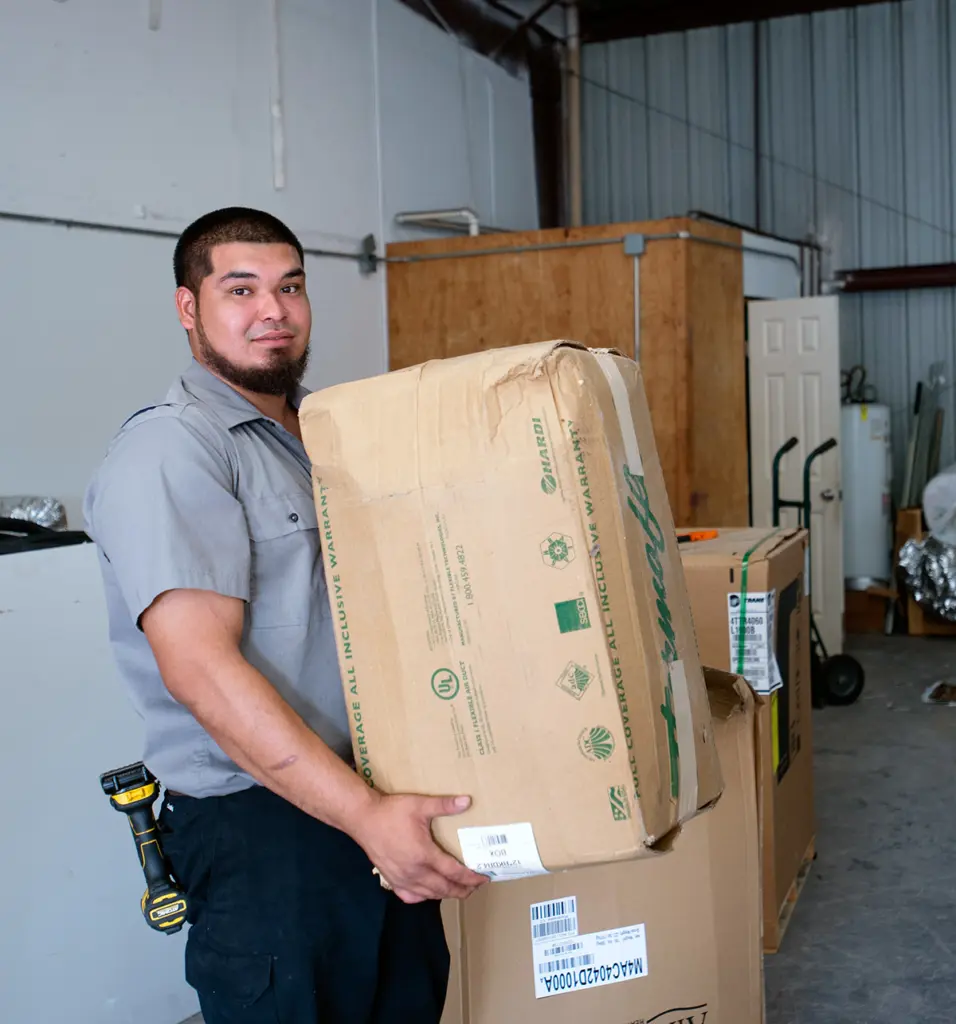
(857, 144)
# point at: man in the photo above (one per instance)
(203, 515)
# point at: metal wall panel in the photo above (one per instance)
(858, 146)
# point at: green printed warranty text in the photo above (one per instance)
(604, 598)
(340, 611)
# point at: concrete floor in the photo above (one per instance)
(873, 938)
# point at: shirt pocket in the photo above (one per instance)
(287, 577)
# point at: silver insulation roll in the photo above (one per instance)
(928, 569)
(43, 511)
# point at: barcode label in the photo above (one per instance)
(501, 851)
(553, 919)
(556, 926)
(562, 948)
(751, 633)
(568, 963)
(598, 958)
(555, 908)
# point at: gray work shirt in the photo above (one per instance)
(205, 492)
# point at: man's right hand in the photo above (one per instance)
(395, 832)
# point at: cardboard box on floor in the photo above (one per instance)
(510, 606)
(684, 943)
(752, 616)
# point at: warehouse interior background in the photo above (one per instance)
(854, 130)
(819, 128)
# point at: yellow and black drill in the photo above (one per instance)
(133, 790)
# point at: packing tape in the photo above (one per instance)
(683, 713)
(622, 406)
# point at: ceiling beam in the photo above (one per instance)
(527, 22)
(604, 20)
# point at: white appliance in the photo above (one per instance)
(73, 943)
(867, 476)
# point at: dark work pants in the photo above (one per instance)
(290, 926)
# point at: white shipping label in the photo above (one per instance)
(501, 851)
(777, 677)
(554, 919)
(564, 961)
(752, 640)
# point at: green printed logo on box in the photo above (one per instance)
(445, 684)
(596, 743)
(575, 679)
(557, 551)
(620, 806)
(548, 482)
(573, 615)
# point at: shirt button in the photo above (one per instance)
(293, 517)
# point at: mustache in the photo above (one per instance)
(277, 329)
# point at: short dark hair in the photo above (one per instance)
(192, 260)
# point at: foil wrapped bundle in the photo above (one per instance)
(46, 512)
(928, 568)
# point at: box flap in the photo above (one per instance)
(758, 542)
(729, 694)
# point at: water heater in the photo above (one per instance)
(867, 475)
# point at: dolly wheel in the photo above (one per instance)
(844, 679)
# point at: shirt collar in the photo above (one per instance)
(228, 404)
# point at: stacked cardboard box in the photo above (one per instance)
(674, 940)
(753, 617)
(511, 611)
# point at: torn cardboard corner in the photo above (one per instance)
(511, 612)
(752, 616)
(674, 940)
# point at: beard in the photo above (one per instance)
(281, 377)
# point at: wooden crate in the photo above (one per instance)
(691, 331)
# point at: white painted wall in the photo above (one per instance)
(106, 120)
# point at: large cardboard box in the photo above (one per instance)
(512, 617)
(667, 940)
(752, 616)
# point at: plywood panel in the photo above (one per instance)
(691, 330)
(717, 416)
(452, 306)
(663, 359)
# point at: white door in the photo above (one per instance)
(794, 355)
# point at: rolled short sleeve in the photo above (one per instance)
(163, 511)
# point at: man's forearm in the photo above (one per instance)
(248, 718)
(195, 637)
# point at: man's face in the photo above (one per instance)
(251, 321)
